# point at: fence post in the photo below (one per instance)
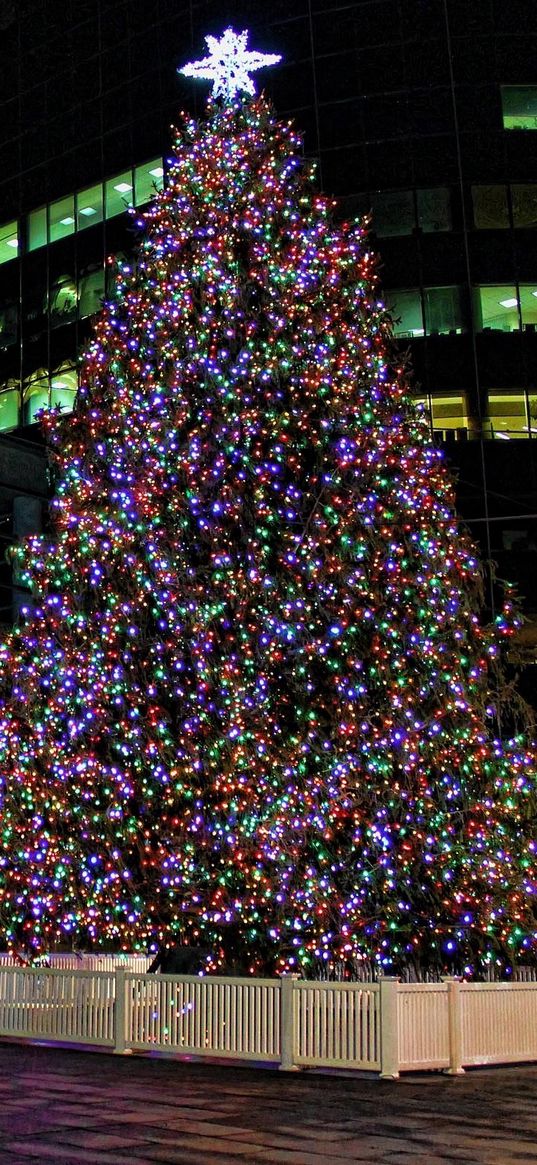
(119, 1011)
(389, 1028)
(454, 1028)
(287, 1024)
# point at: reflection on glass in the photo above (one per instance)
(9, 405)
(61, 218)
(393, 213)
(496, 307)
(118, 193)
(91, 292)
(89, 206)
(491, 210)
(524, 201)
(434, 209)
(9, 319)
(424, 410)
(63, 387)
(147, 180)
(37, 228)
(63, 301)
(519, 105)
(443, 311)
(405, 309)
(35, 395)
(9, 241)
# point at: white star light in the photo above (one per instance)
(228, 65)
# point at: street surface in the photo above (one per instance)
(72, 1107)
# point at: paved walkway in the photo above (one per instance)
(72, 1107)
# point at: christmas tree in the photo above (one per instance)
(253, 704)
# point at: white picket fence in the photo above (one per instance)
(384, 1027)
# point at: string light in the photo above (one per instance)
(251, 704)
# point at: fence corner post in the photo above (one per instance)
(454, 1028)
(389, 1028)
(287, 1024)
(119, 1012)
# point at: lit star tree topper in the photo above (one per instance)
(228, 65)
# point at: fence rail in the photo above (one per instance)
(384, 1027)
(70, 961)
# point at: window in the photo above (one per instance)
(393, 213)
(63, 301)
(520, 538)
(509, 414)
(491, 209)
(91, 291)
(497, 308)
(524, 202)
(89, 207)
(42, 391)
(405, 309)
(449, 416)
(35, 395)
(61, 218)
(9, 405)
(148, 179)
(434, 210)
(63, 387)
(37, 229)
(118, 194)
(519, 105)
(532, 414)
(9, 319)
(527, 294)
(443, 311)
(423, 408)
(77, 212)
(9, 242)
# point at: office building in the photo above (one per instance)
(421, 111)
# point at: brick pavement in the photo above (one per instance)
(68, 1107)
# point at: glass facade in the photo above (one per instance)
(406, 310)
(66, 291)
(419, 112)
(61, 218)
(509, 415)
(434, 210)
(491, 208)
(501, 207)
(85, 208)
(9, 241)
(444, 313)
(402, 212)
(519, 106)
(89, 207)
